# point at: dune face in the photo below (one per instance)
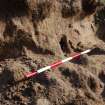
(36, 33)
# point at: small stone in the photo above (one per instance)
(43, 101)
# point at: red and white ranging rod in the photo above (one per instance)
(34, 72)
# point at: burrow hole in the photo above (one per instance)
(64, 45)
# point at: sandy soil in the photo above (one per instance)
(36, 33)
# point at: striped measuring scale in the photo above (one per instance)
(34, 72)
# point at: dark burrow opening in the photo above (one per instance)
(100, 22)
(70, 8)
(64, 45)
(89, 6)
(73, 76)
(6, 79)
(97, 51)
(41, 11)
(102, 78)
(65, 71)
(11, 8)
(92, 84)
(66, 10)
(10, 50)
(28, 92)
